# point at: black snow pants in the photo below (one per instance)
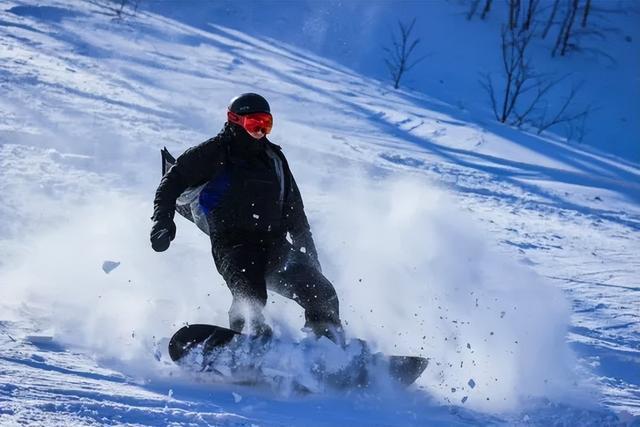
(251, 263)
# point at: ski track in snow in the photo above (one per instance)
(572, 215)
(44, 384)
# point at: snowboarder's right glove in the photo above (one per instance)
(163, 232)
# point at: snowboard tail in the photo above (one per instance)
(407, 369)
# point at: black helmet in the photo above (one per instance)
(249, 103)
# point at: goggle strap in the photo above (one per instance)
(234, 118)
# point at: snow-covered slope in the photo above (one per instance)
(510, 260)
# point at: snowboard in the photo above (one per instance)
(211, 341)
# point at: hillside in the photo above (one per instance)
(458, 52)
(506, 258)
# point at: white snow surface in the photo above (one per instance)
(508, 259)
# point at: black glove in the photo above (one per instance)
(163, 232)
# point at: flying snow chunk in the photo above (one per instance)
(109, 266)
(236, 397)
(471, 383)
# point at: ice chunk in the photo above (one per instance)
(109, 266)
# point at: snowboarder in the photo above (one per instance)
(249, 203)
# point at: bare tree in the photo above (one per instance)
(562, 41)
(576, 128)
(122, 9)
(473, 8)
(585, 14)
(552, 16)
(514, 13)
(563, 115)
(525, 93)
(542, 87)
(399, 58)
(516, 72)
(567, 34)
(531, 12)
(487, 8)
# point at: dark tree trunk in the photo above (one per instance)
(551, 18)
(531, 11)
(514, 13)
(585, 15)
(472, 10)
(567, 33)
(487, 8)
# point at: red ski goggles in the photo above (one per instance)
(256, 122)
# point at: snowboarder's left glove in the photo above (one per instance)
(163, 232)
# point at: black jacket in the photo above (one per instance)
(240, 185)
